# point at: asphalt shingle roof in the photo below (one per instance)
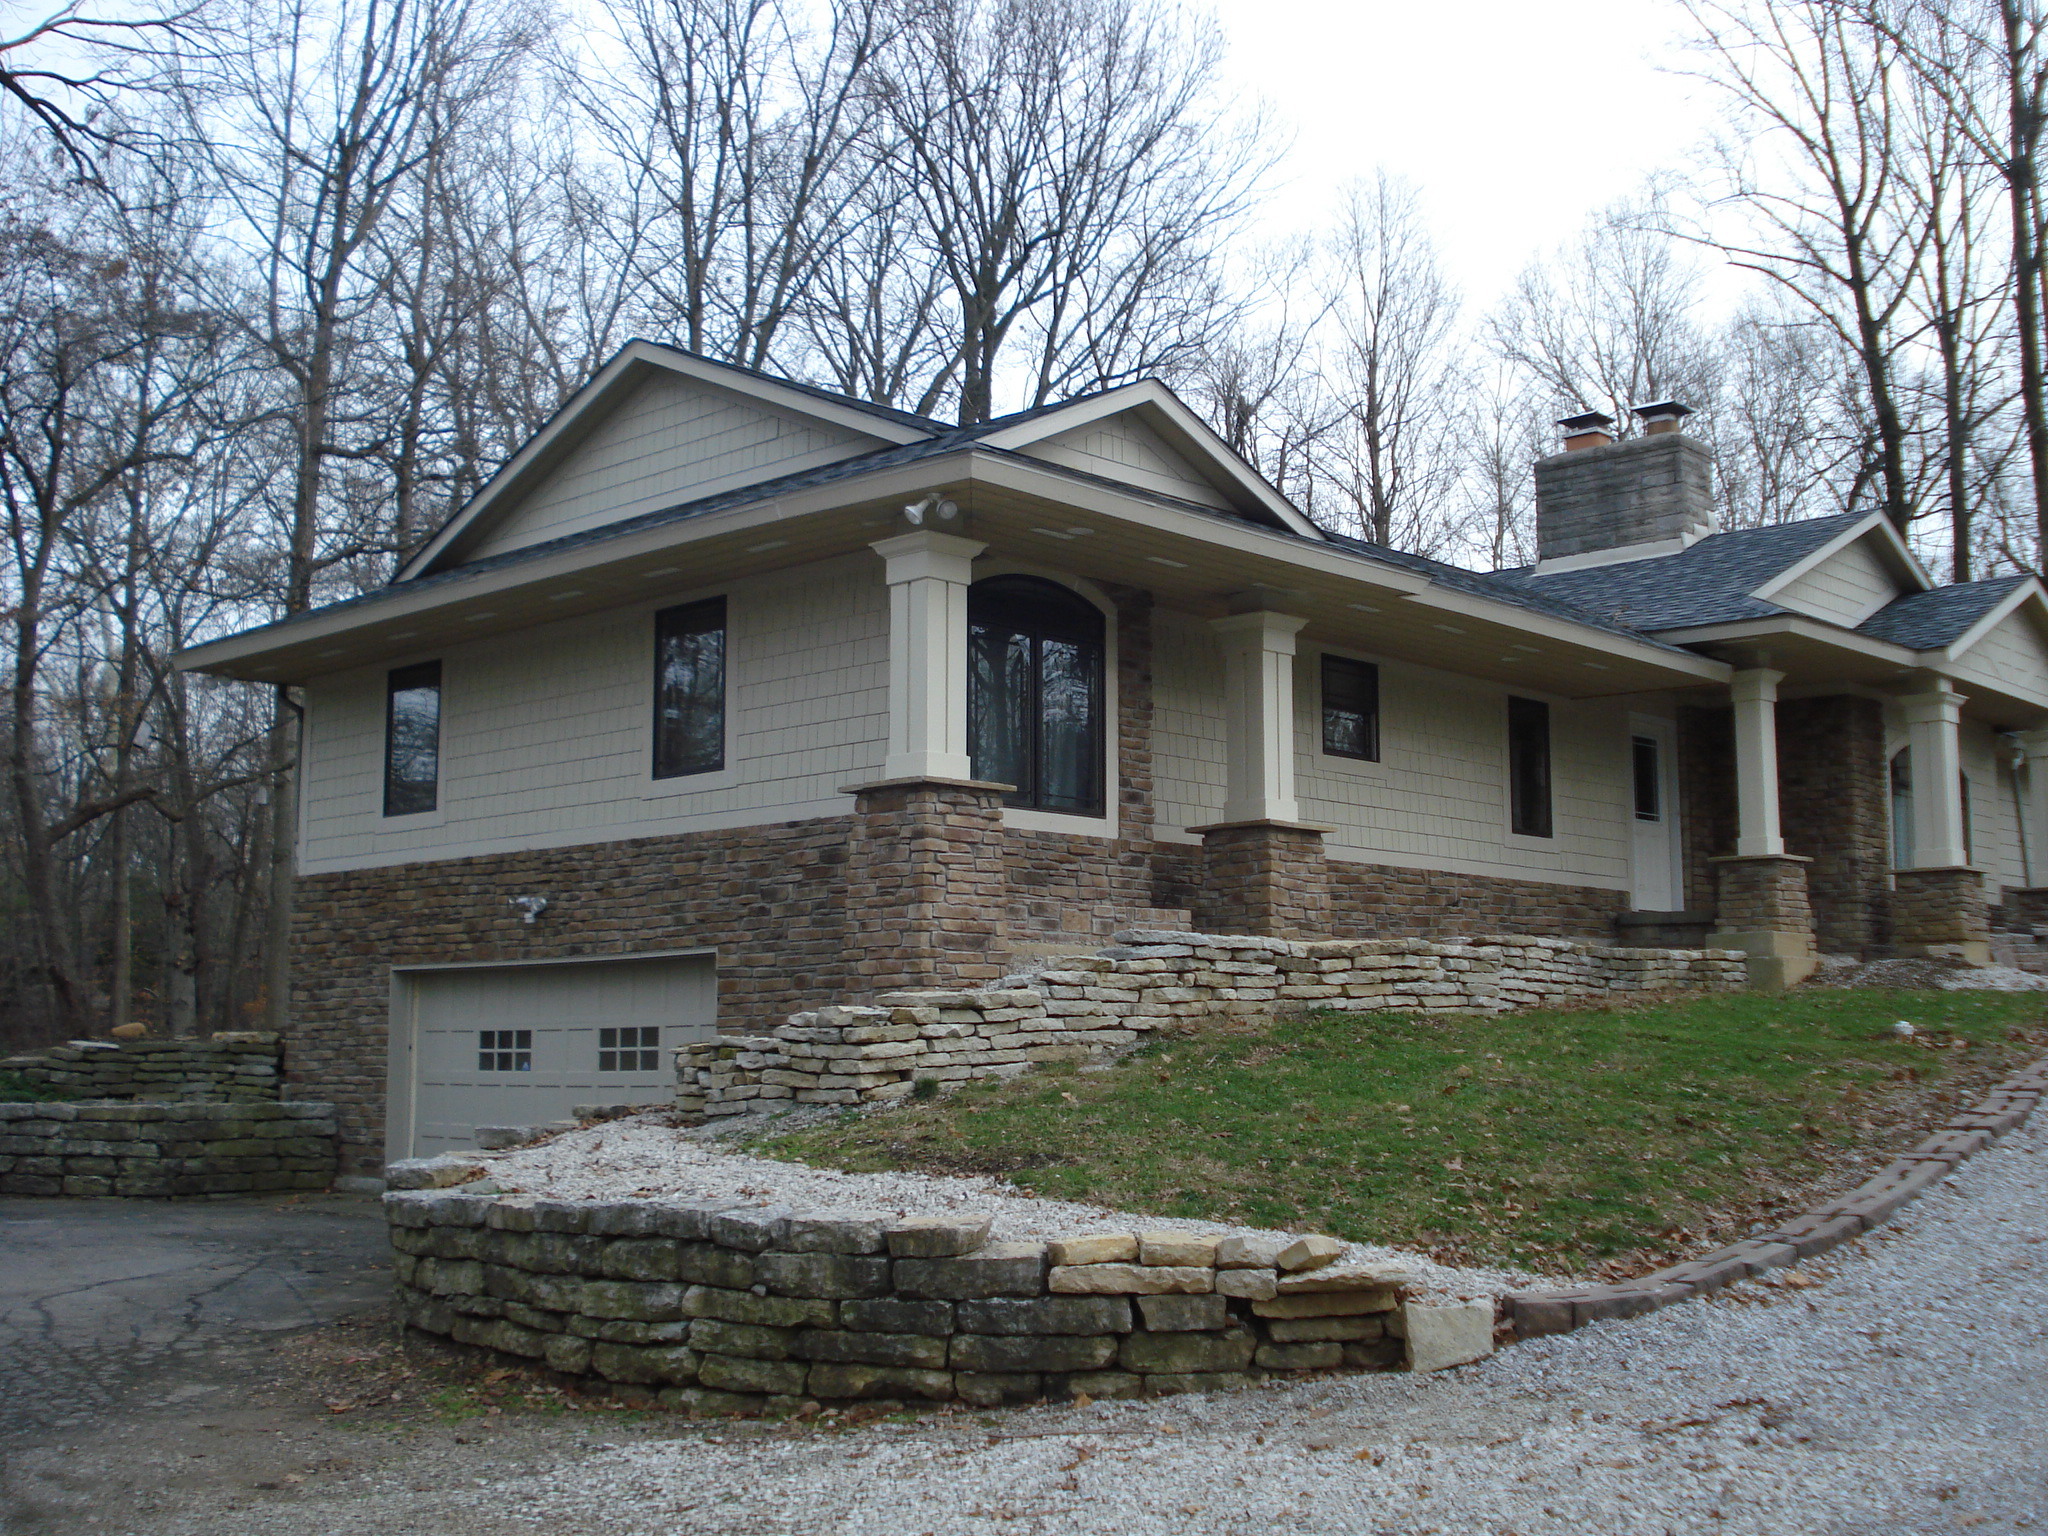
(1925, 621)
(1709, 583)
(1493, 584)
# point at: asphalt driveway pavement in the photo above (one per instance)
(109, 1306)
(164, 1378)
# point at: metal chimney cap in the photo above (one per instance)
(1664, 410)
(1591, 421)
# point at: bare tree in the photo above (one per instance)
(91, 395)
(1609, 321)
(1394, 371)
(69, 71)
(312, 129)
(1815, 164)
(741, 136)
(1063, 155)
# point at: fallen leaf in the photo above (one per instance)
(1082, 1400)
(1797, 1279)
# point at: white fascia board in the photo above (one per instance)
(630, 364)
(1764, 629)
(2027, 594)
(1169, 415)
(1899, 556)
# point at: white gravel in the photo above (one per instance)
(1905, 1395)
(644, 1158)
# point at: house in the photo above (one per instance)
(729, 695)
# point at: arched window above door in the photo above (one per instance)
(1034, 693)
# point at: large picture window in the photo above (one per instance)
(1034, 693)
(412, 739)
(1529, 767)
(1351, 708)
(689, 689)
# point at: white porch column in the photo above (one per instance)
(928, 575)
(2034, 803)
(1755, 695)
(1258, 714)
(1931, 729)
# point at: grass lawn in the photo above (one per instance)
(1609, 1139)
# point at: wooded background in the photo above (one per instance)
(282, 282)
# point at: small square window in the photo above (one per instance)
(635, 1049)
(504, 1050)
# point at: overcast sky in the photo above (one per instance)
(1517, 118)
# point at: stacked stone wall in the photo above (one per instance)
(1083, 1006)
(716, 1307)
(226, 1066)
(175, 1150)
(1381, 901)
(1706, 800)
(1834, 788)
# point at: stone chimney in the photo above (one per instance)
(1602, 501)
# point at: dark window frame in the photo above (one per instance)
(1655, 778)
(1363, 683)
(670, 757)
(411, 796)
(1041, 613)
(1530, 790)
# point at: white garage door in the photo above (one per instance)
(522, 1045)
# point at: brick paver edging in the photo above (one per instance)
(1532, 1314)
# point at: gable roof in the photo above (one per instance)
(1247, 492)
(1711, 582)
(1927, 621)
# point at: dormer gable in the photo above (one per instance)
(1143, 435)
(1851, 577)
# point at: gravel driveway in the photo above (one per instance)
(1907, 1393)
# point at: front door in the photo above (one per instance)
(1653, 811)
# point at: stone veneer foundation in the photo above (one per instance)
(804, 912)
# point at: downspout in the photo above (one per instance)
(2013, 762)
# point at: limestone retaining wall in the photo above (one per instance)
(1090, 1005)
(226, 1066)
(155, 1150)
(719, 1307)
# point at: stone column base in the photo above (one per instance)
(2026, 906)
(1939, 914)
(1264, 877)
(1763, 912)
(926, 892)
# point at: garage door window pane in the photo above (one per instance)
(504, 1050)
(629, 1050)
